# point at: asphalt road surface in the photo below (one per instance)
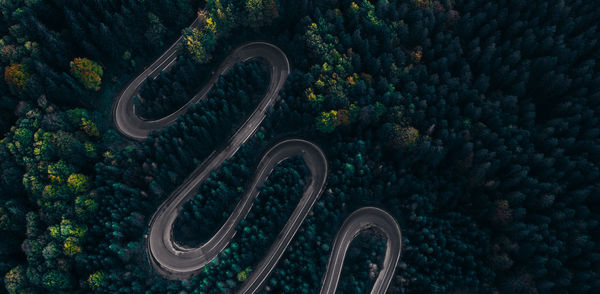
(359, 221)
(174, 261)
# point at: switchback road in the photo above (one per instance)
(174, 261)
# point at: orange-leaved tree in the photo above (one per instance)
(16, 75)
(88, 72)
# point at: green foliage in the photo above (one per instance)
(84, 206)
(155, 33)
(15, 280)
(496, 190)
(76, 115)
(279, 196)
(23, 139)
(57, 280)
(66, 229)
(380, 109)
(57, 192)
(51, 251)
(349, 169)
(362, 263)
(261, 12)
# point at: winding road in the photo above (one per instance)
(174, 261)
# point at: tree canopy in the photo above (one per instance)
(88, 72)
(473, 122)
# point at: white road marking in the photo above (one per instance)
(178, 262)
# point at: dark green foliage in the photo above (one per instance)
(208, 125)
(204, 214)
(47, 35)
(362, 263)
(474, 122)
(498, 185)
(147, 174)
(278, 198)
(171, 90)
(485, 156)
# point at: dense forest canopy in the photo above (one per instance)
(475, 123)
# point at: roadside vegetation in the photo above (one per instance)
(473, 122)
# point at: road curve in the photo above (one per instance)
(174, 261)
(179, 262)
(359, 221)
(138, 128)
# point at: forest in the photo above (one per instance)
(475, 123)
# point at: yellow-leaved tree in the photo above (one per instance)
(200, 42)
(327, 121)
